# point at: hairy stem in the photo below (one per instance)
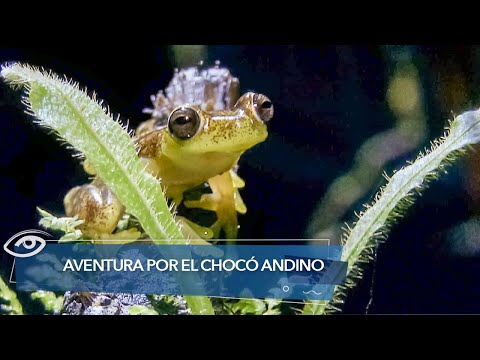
(88, 126)
(391, 201)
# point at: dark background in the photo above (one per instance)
(328, 101)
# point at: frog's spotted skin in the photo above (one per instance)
(197, 133)
(96, 205)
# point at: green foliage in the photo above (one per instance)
(66, 225)
(50, 301)
(248, 306)
(83, 122)
(315, 307)
(9, 304)
(141, 310)
(88, 126)
(273, 307)
(165, 304)
(392, 200)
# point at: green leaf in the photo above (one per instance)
(88, 126)
(65, 224)
(9, 303)
(273, 307)
(249, 306)
(51, 302)
(141, 310)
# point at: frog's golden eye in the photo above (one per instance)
(184, 123)
(263, 107)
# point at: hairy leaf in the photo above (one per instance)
(392, 200)
(87, 125)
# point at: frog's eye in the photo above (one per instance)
(263, 107)
(183, 123)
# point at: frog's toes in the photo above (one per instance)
(216, 228)
(225, 201)
(194, 231)
(226, 220)
(228, 224)
(206, 202)
(239, 204)
(237, 181)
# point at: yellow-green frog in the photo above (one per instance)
(198, 131)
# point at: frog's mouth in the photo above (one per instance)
(224, 138)
(232, 145)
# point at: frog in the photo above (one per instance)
(198, 129)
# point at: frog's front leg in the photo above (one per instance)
(225, 200)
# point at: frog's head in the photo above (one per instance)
(193, 130)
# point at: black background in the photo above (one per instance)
(328, 100)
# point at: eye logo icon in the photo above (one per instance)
(27, 239)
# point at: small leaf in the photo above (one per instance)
(64, 224)
(9, 303)
(249, 306)
(141, 310)
(51, 302)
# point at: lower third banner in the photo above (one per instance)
(293, 272)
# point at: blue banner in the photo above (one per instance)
(294, 272)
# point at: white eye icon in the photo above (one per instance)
(28, 239)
